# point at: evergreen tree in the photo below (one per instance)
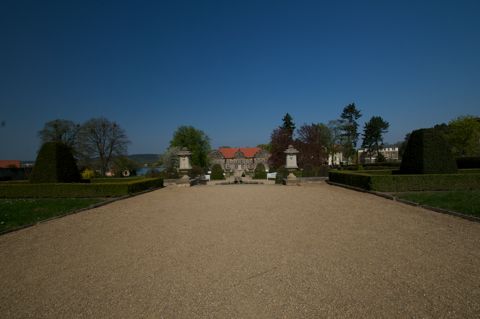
(349, 118)
(373, 134)
(288, 124)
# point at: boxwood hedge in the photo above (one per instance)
(406, 183)
(111, 189)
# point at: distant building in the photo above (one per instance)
(390, 154)
(335, 159)
(242, 158)
(9, 164)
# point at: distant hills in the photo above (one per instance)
(144, 158)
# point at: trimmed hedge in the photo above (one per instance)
(55, 164)
(406, 183)
(427, 152)
(468, 162)
(217, 173)
(37, 190)
(260, 172)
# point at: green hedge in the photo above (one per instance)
(55, 164)
(427, 152)
(217, 172)
(406, 183)
(260, 172)
(37, 190)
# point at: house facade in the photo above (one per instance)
(390, 154)
(239, 158)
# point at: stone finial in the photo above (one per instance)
(291, 150)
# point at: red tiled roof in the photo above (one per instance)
(9, 163)
(228, 152)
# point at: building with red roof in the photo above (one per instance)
(9, 164)
(239, 158)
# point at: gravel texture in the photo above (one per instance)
(244, 251)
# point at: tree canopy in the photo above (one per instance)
(102, 139)
(63, 131)
(373, 132)
(350, 134)
(463, 135)
(312, 142)
(196, 141)
(288, 124)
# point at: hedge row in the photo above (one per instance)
(34, 190)
(468, 162)
(406, 183)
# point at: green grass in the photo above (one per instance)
(18, 212)
(466, 202)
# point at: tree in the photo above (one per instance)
(63, 131)
(102, 139)
(288, 124)
(279, 141)
(312, 143)
(265, 147)
(463, 135)
(123, 163)
(169, 159)
(334, 145)
(349, 118)
(373, 134)
(196, 141)
(281, 137)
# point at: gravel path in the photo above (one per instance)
(244, 251)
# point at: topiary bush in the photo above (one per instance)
(468, 162)
(260, 172)
(427, 152)
(217, 172)
(55, 164)
(282, 173)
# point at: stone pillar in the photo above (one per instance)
(184, 165)
(291, 165)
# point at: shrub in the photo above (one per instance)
(55, 164)
(170, 173)
(468, 162)
(196, 171)
(314, 171)
(217, 172)
(58, 190)
(427, 153)
(405, 183)
(260, 172)
(282, 173)
(88, 174)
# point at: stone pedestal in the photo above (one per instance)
(184, 167)
(291, 166)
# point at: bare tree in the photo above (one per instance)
(59, 130)
(102, 139)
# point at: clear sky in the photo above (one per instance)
(232, 68)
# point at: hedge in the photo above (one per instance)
(406, 183)
(55, 164)
(468, 162)
(36, 190)
(427, 152)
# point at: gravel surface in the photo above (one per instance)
(244, 251)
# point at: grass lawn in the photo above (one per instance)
(466, 202)
(18, 212)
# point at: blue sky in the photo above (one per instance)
(232, 68)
